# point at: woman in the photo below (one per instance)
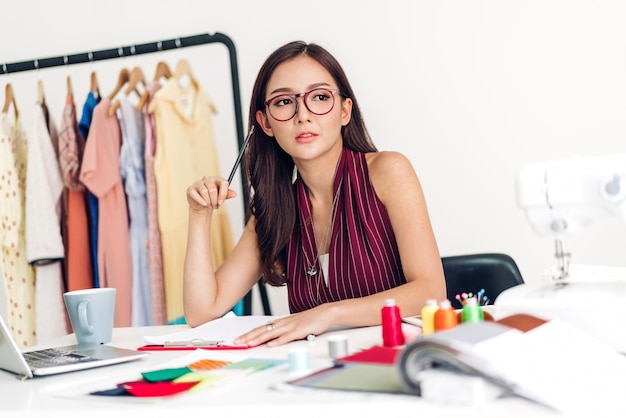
(343, 226)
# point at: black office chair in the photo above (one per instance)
(493, 272)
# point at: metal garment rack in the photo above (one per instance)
(155, 47)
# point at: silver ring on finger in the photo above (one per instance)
(270, 326)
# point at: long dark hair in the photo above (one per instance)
(270, 169)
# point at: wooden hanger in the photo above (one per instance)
(68, 82)
(162, 71)
(122, 79)
(94, 88)
(41, 97)
(136, 78)
(9, 98)
(183, 68)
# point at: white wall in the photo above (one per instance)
(470, 91)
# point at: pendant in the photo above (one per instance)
(312, 271)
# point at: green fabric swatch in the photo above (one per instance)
(165, 374)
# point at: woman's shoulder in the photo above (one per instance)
(388, 171)
(387, 163)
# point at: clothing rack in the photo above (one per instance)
(154, 47)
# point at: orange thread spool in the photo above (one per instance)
(445, 317)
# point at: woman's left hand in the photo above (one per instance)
(290, 328)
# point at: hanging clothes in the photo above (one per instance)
(44, 244)
(83, 126)
(155, 259)
(133, 176)
(20, 276)
(4, 298)
(78, 266)
(100, 173)
(185, 151)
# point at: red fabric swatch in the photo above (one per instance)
(373, 355)
(145, 389)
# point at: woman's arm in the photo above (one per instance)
(398, 187)
(207, 293)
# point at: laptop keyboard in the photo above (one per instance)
(52, 357)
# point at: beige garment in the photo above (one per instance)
(44, 244)
(19, 275)
(185, 151)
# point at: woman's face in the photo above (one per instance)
(306, 135)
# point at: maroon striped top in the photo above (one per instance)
(363, 253)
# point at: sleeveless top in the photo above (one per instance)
(363, 253)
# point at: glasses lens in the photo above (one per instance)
(282, 108)
(317, 101)
(320, 101)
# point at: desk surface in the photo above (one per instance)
(255, 394)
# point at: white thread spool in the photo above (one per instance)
(337, 346)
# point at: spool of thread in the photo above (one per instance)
(337, 346)
(392, 324)
(299, 359)
(428, 316)
(471, 311)
(445, 317)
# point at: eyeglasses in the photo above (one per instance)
(285, 106)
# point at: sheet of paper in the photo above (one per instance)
(224, 329)
(561, 366)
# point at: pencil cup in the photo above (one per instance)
(91, 312)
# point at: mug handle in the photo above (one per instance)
(82, 317)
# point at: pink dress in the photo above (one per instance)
(100, 173)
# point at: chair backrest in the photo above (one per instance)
(493, 272)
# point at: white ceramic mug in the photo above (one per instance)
(91, 313)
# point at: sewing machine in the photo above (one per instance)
(559, 198)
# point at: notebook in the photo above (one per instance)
(51, 361)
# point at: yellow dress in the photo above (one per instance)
(19, 276)
(185, 151)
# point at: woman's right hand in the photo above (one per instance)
(209, 192)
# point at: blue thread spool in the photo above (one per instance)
(299, 359)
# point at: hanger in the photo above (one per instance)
(122, 79)
(41, 97)
(68, 81)
(136, 78)
(162, 71)
(94, 88)
(183, 68)
(9, 98)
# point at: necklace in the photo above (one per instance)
(312, 270)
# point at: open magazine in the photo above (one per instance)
(550, 362)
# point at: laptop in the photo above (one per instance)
(51, 361)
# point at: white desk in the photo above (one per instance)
(251, 396)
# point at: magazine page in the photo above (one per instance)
(555, 363)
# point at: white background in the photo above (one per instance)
(469, 90)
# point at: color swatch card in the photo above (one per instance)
(195, 371)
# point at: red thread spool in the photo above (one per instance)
(392, 324)
(445, 317)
